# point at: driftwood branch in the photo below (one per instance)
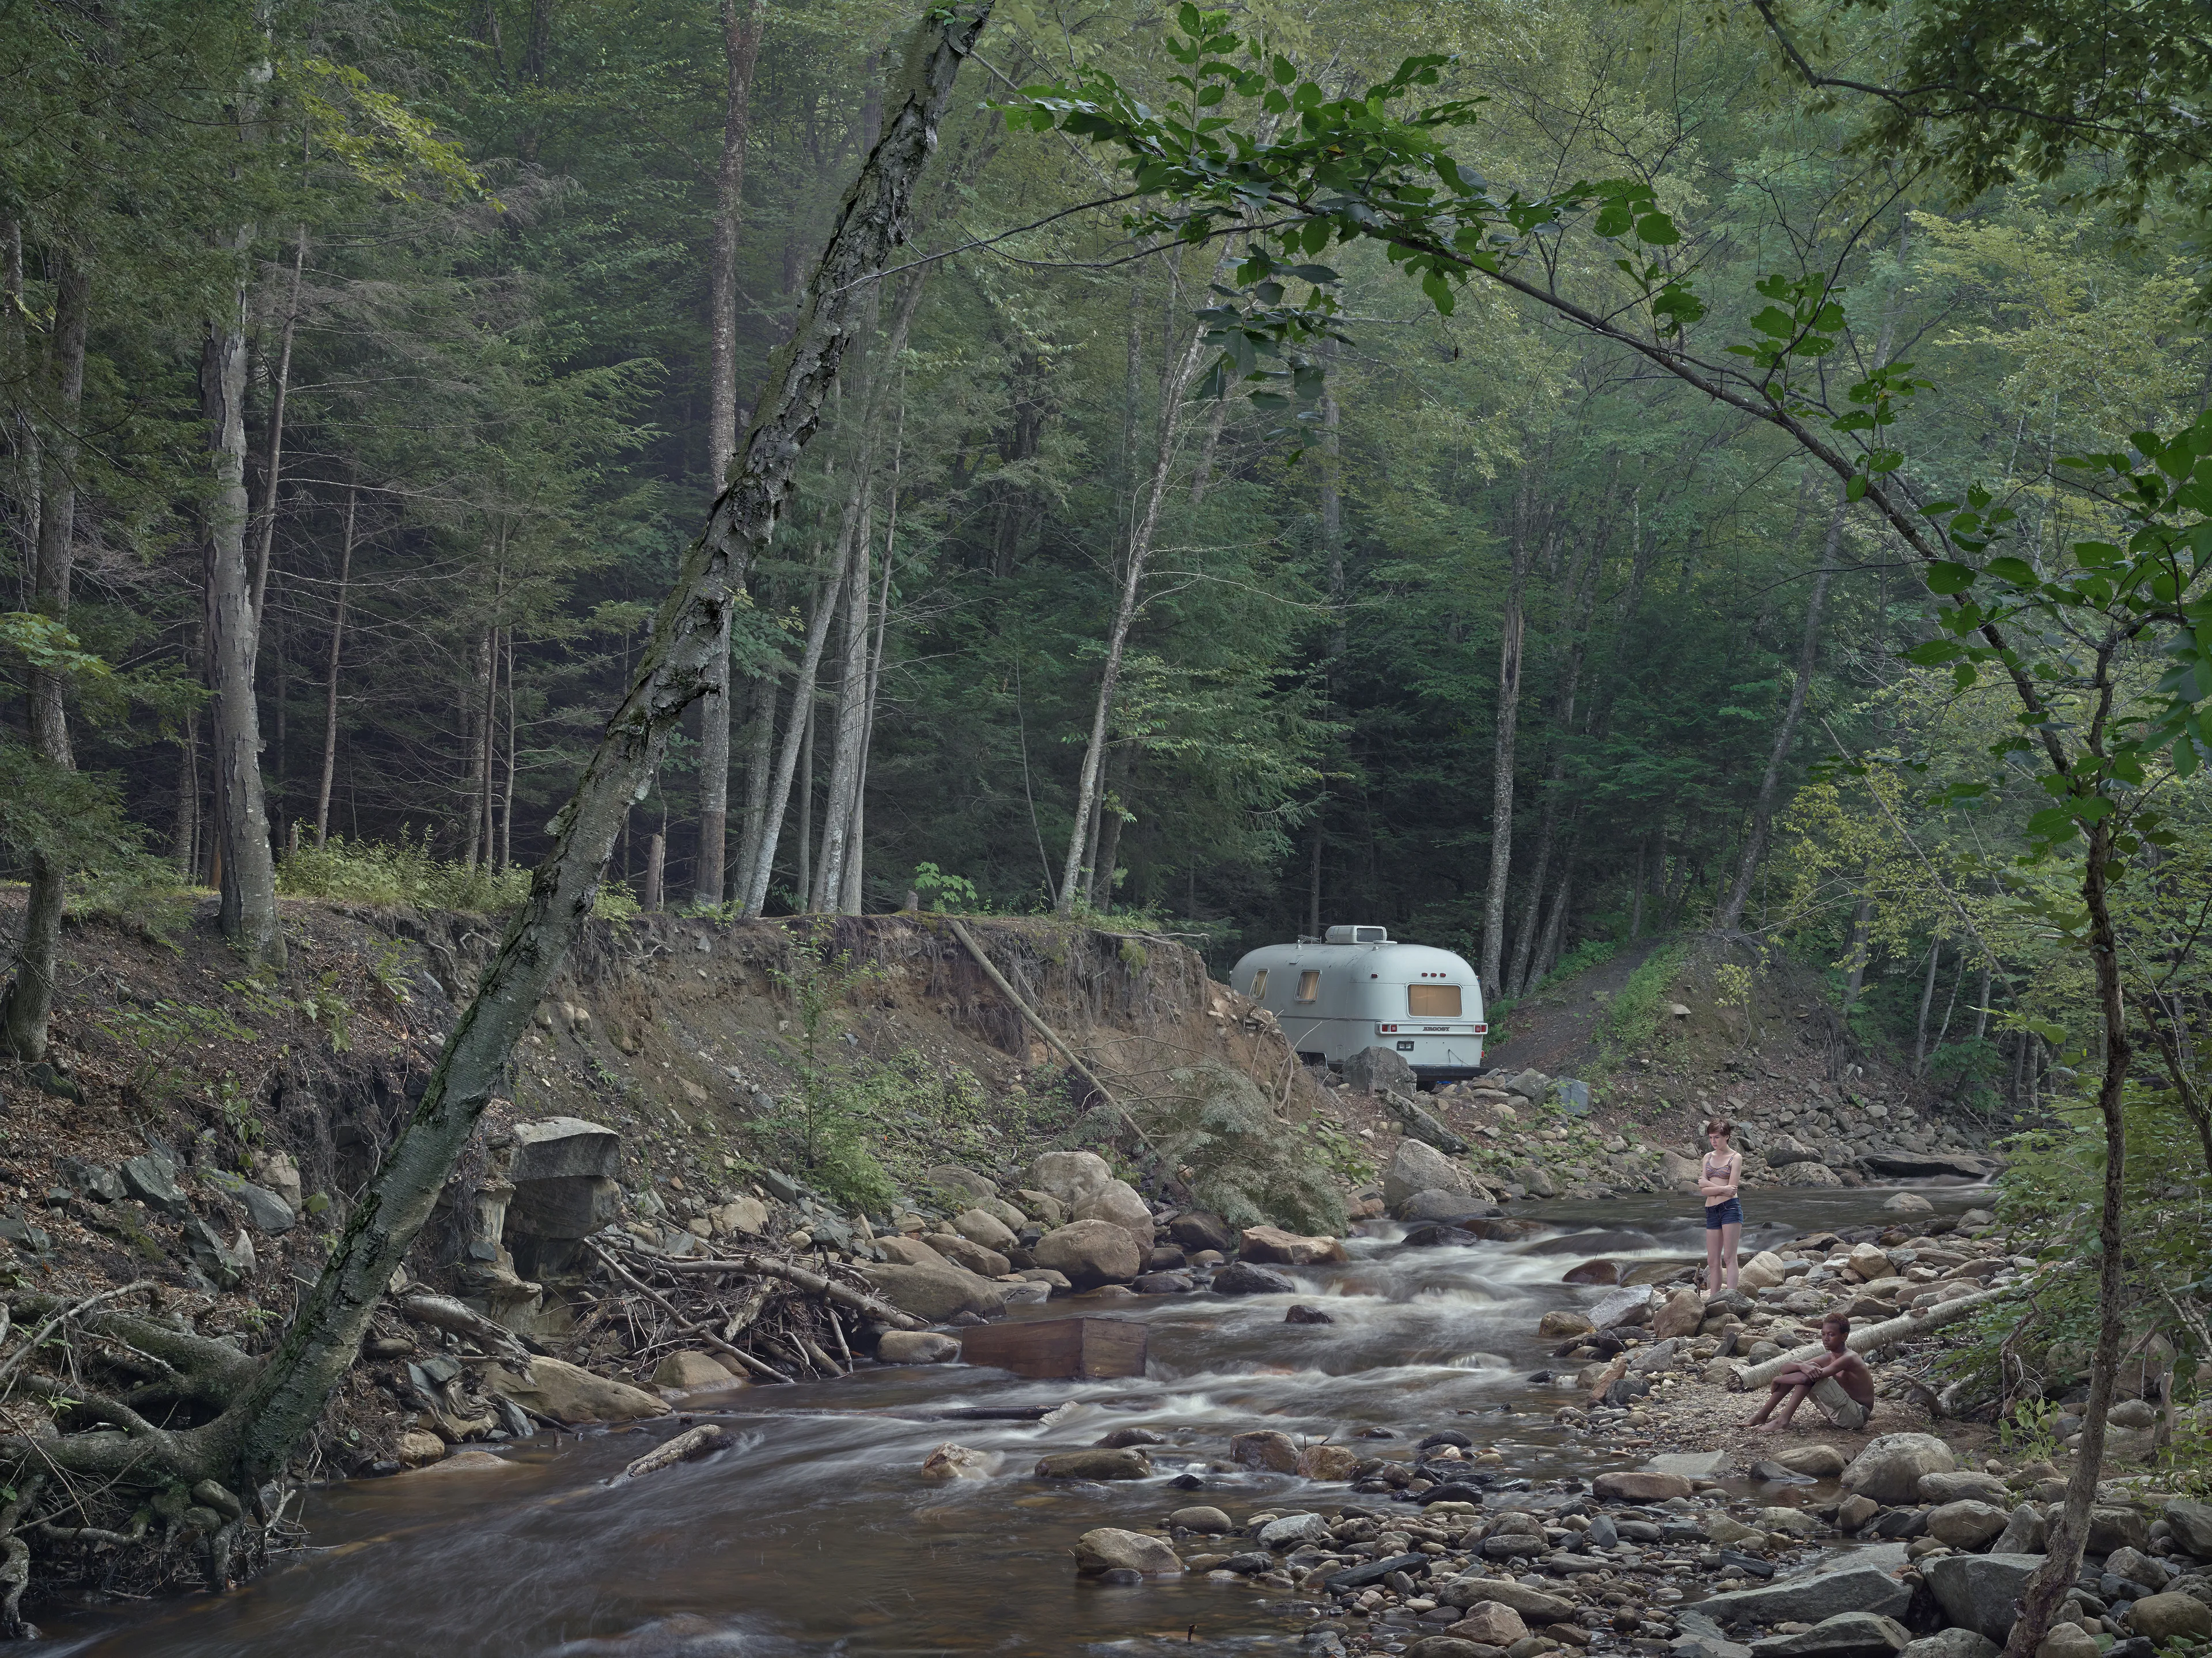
(443, 1313)
(702, 1332)
(1886, 1333)
(688, 1447)
(813, 1282)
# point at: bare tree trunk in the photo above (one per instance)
(1643, 872)
(796, 745)
(1926, 1000)
(507, 794)
(489, 718)
(331, 671)
(656, 867)
(185, 848)
(474, 702)
(852, 717)
(248, 866)
(741, 35)
(1808, 652)
(1855, 952)
(1146, 526)
(30, 999)
(1313, 887)
(853, 899)
(1512, 629)
(759, 764)
(272, 454)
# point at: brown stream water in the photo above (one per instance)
(817, 1534)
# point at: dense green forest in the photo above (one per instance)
(367, 371)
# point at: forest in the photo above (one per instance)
(1540, 477)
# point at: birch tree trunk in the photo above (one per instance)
(853, 898)
(1142, 532)
(741, 34)
(1511, 629)
(273, 453)
(275, 1413)
(795, 735)
(248, 884)
(758, 763)
(1808, 652)
(331, 671)
(29, 1006)
(851, 717)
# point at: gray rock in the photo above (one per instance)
(2024, 1533)
(1979, 1592)
(95, 1181)
(2134, 1566)
(1691, 1465)
(1212, 1521)
(2115, 1527)
(2164, 1616)
(1534, 1605)
(1847, 1635)
(2191, 1525)
(1956, 1487)
(268, 1212)
(564, 1206)
(1415, 1167)
(915, 1347)
(1787, 1149)
(1966, 1523)
(1809, 1600)
(1571, 1095)
(1095, 1465)
(1373, 1070)
(564, 1148)
(1889, 1468)
(224, 1264)
(1953, 1643)
(936, 1294)
(1630, 1304)
(1374, 1571)
(1070, 1176)
(1200, 1229)
(953, 1181)
(1241, 1277)
(1292, 1529)
(779, 1186)
(1419, 1124)
(152, 1179)
(1090, 1251)
(1659, 1356)
(1442, 1204)
(1529, 1084)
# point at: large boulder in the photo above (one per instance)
(1952, 1643)
(1117, 1201)
(1265, 1448)
(682, 1372)
(979, 1226)
(1090, 1251)
(1630, 1304)
(1291, 1529)
(2164, 1616)
(1785, 1149)
(1330, 1463)
(1956, 1487)
(1533, 1604)
(1889, 1469)
(1809, 1600)
(1241, 1277)
(1109, 1548)
(1966, 1524)
(2025, 1533)
(1070, 1176)
(1271, 1245)
(1442, 1204)
(1415, 1167)
(564, 1148)
(1820, 1461)
(974, 1257)
(1202, 1229)
(916, 1347)
(1378, 1070)
(1682, 1312)
(1681, 1173)
(1810, 1174)
(1979, 1592)
(2115, 1528)
(1639, 1485)
(569, 1393)
(935, 1294)
(2192, 1526)
(1127, 1463)
(956, 1182)
(1847, 1635)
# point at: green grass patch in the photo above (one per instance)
(1633, 1019)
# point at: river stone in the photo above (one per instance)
(569, 1393)
(1050, 1211)
(1492, 1624)
(681, 1372)
(2134, 1566)
(1639, 1485)
(2115, 1528)
(1264, 1447)
(1129, 1464)
(742, 1213)
(952, 1461)
(1090, 1251)
(1241, 1278)
(1810, 1174)
(2025, 1533)
(1630, 1304)
(1070, 1176)
(1847, 1635)
(1820, 1461)
(1564, 1322)
(1809, 1600)
(1274, 1246)
(1415, 1167)
(1953, 1643)
(417, 1448)
(1909, 1203)
(979, 1226)
(2164, 1616)
(1593, 1271)
(915, 1347)
(1979, 1592)
(564, 1148)
(1330, 1463)
(954, 1181)
(1109, 1548)
(974, 1257)
(1956, 1487)
(1212, 1521)
(1681, 1315)
(1117, 1202)
(1966, 1524)
(2067, 1641)
(2192, 1526)
(935, 1294)
(1452, 1646)
(1442, 1204)
(1890, 1468)
(152, 1179)
(1202, 1229)
(1533, 1604)
(1292, 1529)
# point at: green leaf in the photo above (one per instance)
(1657, 229)
(1948, 576)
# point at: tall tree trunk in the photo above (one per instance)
(30, 1000)
(287, 1397)
(1512, 629)
(248, 884)
(1808, 652)
(185, 846)
(474, 729)
(272, 451)
(1855, 952)
(331, 671)
(852, 718)
(741, 34)
(506, 793)
(759, 764)
(796, 736)
(1142, 532)
(853, 899)
(1926, 1000)
(487, 717)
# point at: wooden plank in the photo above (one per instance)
(1089, 1349)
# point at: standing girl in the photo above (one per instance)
(1717, 1180)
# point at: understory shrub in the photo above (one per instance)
(1246, 1163)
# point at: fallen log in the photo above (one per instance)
(813, 1282)
(1886, 1333)
(687, 1447)
(443, 1313)
(702, 1332)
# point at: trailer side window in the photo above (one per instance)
(1433, 1001)
(1259, 991)
(1309, 985)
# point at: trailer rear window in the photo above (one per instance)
(1309, 985)
(1260, 986)
(1433, 1001)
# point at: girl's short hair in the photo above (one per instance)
(1720, 1125)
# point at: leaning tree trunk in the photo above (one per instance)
(248, 908)
(30, 1000)
(287, 1398)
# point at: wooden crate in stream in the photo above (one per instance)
(1091, 1348)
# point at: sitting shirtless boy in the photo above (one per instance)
(1791, 1388)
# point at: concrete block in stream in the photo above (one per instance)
(564, 1148)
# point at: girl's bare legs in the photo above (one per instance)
(1728, 1234)
(1713, 1269)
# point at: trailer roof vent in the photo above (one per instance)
(1359, 935)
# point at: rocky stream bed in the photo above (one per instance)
(1465, 1509)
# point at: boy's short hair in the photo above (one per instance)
(1720, 1125)
(1843, 1319)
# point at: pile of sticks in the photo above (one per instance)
(767, 1316)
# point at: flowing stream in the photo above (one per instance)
(817, 1535)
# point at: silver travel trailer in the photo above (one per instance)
(1354, 989)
